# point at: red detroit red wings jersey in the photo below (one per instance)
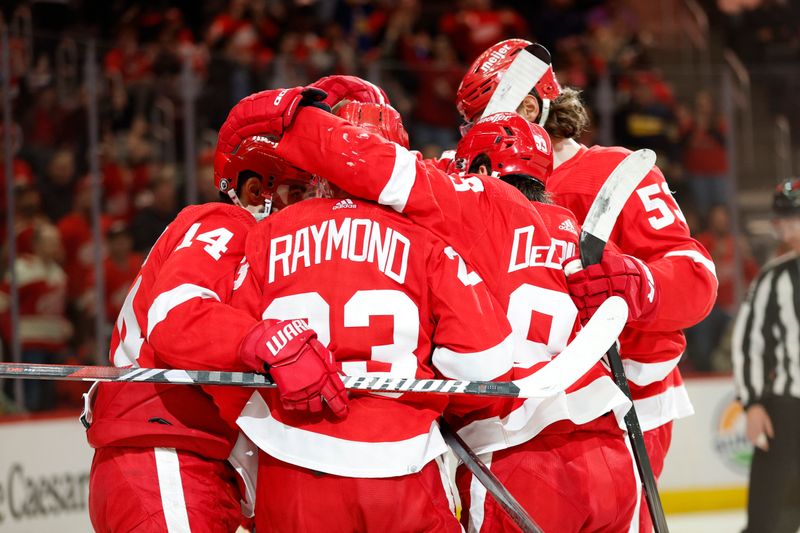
(652, 228)
(381, 292)
(500, 233)
(176, 316)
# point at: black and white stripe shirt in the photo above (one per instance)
(766, 336)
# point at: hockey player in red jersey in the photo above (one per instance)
(500, 232)
(651, 228)
(161, 451)
(389, 298)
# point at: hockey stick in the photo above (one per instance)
(595, 233)
(584, 351)
(504, 499)
(606, 318)
(252, 380)
(521, 77)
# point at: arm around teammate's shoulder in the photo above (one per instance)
(190, 323)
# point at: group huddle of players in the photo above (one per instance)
(338, 250)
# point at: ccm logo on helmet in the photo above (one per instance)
(494, 57)
(287, 333)
(279, 97)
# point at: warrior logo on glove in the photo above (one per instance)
(302, 367)
(279, 341)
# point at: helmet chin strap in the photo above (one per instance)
(259, 212)
(545, 112)
(263, 211)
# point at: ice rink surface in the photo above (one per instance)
(714, 522)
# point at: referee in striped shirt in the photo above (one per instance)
(766, 365)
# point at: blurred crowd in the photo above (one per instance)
(152, 55)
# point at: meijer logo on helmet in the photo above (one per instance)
(494, 57)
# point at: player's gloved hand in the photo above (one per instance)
(616, 275)
(300, 365)
(267, 113)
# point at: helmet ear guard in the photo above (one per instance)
(255, 155)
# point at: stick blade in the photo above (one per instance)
(522, 75)
(616, 190)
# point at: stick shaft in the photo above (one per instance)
(479, 469)
(597, 227)
(246, 379)
(591, 249)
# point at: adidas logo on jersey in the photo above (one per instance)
(345, 204)
(567, 225)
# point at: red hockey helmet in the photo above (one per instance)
(513, 145)
(341, 87)
(485, 73)
(381, 119)
(257, 154)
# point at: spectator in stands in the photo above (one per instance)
(120, 267)
(434, 113)
(75, 229)
(44, 123)
(21, 171)
(206, 190)
(720, 241)
(150, 222)
(139, 152)
(43, 327)
(646, 121)
(476, 25)
(705, 157)
(553, 20)
(611, 25)
(27, 216)
(59, 183)
(126, 58)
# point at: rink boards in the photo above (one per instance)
(708, 461)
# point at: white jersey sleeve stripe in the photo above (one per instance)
(169, 484)
(655, 411)
(404, 173)
(476, 366)
(695, 256)
(167, 301)
(646, 373)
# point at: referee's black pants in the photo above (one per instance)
(773, 504)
